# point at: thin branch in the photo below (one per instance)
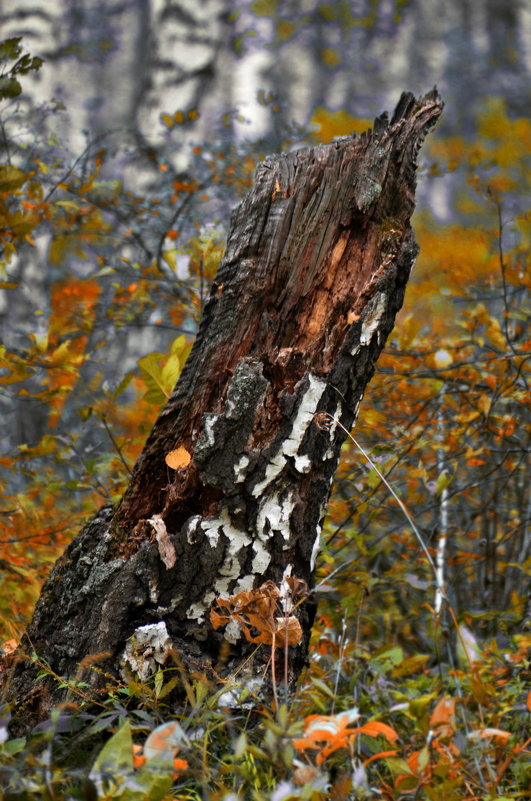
(115, 444)
(395, 496)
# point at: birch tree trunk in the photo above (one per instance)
(317, 260)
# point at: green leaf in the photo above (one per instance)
(15, 746)
(423, 758)
(373, 479)
(168, 687)
(155, 397)
(155, 778)
(320, 685)
(410, 665)
(10, 48)
(443, 481)
(9, 87)
(419, 706)
(116, 757)
(26, 64)
(391, 657)
(159, 681)
(398, 766)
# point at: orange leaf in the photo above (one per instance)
(166, 738)
(443, 713)
(379, 755)
(218, 620)
(529, 700)
(498, 734)
(138, 758)
(331, 729)
(8, 646)
(178, 458)
(374, 728)
(178, 766)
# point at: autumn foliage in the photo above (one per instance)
(436, 664)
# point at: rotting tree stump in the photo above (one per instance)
(317, 260)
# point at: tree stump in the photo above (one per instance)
(316, 265)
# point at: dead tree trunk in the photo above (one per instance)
(317, 261)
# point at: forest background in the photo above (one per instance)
(123, 155)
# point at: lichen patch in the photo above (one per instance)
(239, 469)
(290, 446)
(372, 316)
(230, 569)
(147, 649)
(316, 546)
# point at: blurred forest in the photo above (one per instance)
(123, 154)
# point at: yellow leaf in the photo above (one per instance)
(484, 404)
(168, 121)
(330, 57)
(11, 178)
(178, 458)
(57, 250)
(337, 123)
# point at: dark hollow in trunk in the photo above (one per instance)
(317, 260)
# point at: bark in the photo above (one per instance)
(317, 260)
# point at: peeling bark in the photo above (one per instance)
(317, 260)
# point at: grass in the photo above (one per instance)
(368, 720)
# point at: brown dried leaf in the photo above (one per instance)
(166, 548)
(270, 589)
(298, 587)
(288, 631)
(256, 610)
(218, 620)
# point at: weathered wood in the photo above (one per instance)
(316, 265)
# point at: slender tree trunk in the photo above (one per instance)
(317, 260)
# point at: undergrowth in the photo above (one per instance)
(368, 720)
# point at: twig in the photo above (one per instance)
(115, 444)
(395, 496)
(443, 515)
